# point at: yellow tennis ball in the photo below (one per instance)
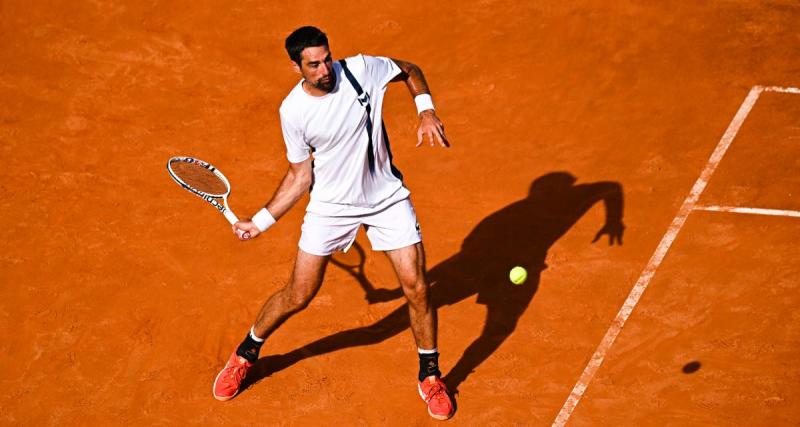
(518, 275)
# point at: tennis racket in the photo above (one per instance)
(205, 181)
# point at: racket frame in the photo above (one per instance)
(212, 199)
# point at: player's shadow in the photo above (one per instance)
(518, 234)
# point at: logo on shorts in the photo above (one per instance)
(419, 231)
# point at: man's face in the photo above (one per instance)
(316, 67)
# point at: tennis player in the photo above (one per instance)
(338, 149)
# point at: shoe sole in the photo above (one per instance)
(434, 416)
(214, 389)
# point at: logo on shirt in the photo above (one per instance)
(363, 99)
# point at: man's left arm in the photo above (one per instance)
(429, 124)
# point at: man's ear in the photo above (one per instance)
(295, 67)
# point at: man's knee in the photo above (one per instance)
(297, 296)
(299, 300)
(305, 281)
(417, 292)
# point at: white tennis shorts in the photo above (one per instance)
(394, 227)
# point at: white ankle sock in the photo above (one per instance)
(253, 335)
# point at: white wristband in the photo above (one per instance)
(263, 220)
(424, 102)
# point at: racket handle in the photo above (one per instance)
(233, 219)
(230, 216)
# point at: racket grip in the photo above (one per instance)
(230, 216)
(233, 219)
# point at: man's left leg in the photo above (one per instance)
(409, 264)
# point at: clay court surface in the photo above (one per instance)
(122, 295)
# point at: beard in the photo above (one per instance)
(325, 85)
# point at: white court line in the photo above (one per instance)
(656, 259)
(782, 89)
(755, 211)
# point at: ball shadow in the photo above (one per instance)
(691, 367)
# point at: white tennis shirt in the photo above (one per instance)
(333, 129)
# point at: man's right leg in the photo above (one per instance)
(303, 284)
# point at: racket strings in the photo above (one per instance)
(199, 178)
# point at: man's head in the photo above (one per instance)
(308, 49)
(553, 183)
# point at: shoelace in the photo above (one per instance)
(436, 392)
(236, 375)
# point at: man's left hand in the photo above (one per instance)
(430, 126)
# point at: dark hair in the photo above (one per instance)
(302, 38)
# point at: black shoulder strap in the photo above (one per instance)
(351, 77)
(363, 99)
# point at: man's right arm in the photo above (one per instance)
(295, 183)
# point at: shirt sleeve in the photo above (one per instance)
(296, 148)
(381, 69)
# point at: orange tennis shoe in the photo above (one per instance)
(230, 378)
(433, 391)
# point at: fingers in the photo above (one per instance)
(614, 234)
(440, 138)
(444, 142)
(422, 134)
(434, 134)
(431, 127)
(600, 234)
(245, 230)
(248, 234)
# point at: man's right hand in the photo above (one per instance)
(245, 227)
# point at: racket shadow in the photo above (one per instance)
(518, 234)
(353, 263)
